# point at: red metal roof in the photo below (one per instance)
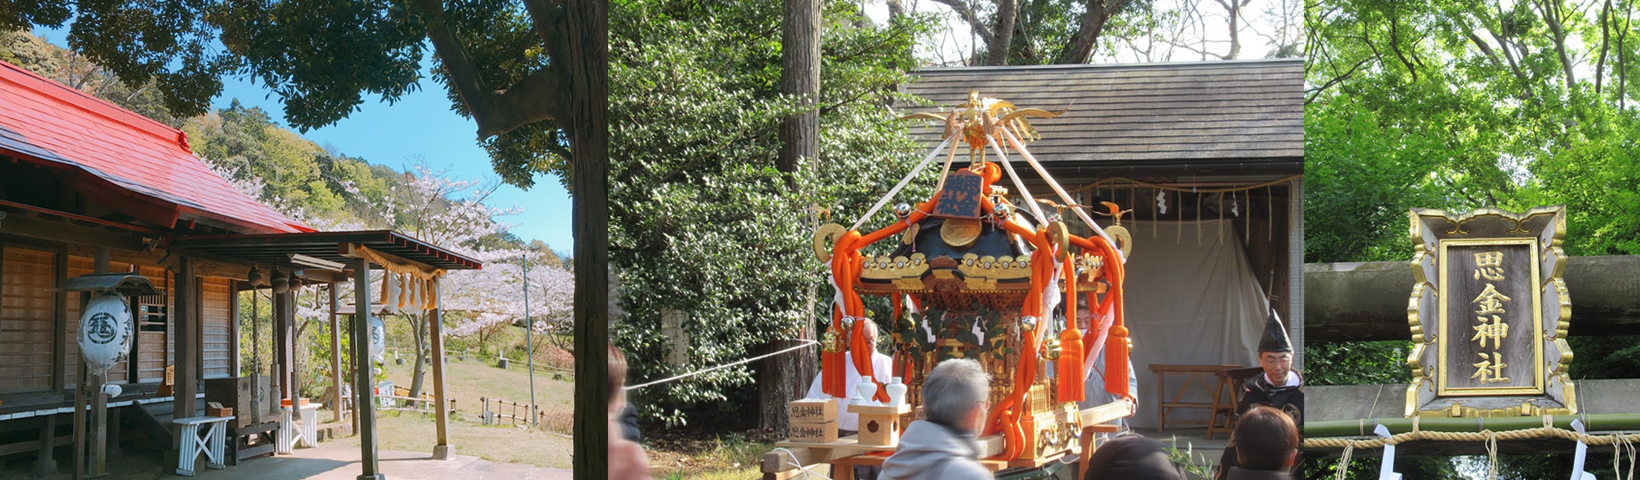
(112, 154)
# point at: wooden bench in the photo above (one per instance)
(1194, 375)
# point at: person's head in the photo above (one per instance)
(870, 331)
(1265, 439)
(1131, 457)
(617, 380)
(1276, 365)
(955, 393)
(1275, 350)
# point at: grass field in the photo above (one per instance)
(468, 381)
(671, 454)
(506, 444)
(471, 379)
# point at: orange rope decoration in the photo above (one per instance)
(1116, 346)
(1070, 342)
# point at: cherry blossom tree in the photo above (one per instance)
(453, 214)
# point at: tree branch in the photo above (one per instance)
(1080, 49)
(536, 97)
(998, 46)
(1317, 92)
(1395, 46)
(1552, 16)
(966, 11)
(1605, 44)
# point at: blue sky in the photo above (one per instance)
(420, 123)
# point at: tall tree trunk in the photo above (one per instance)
(1233, 7)
(1003, 34)
(1098, 13)
(800, 36)
(418, 327)
(587, 31)
(800, 77)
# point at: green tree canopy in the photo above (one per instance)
(702, 221)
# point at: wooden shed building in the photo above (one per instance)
(88, 187)
(1209, 158)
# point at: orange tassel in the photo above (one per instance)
(1070, 342)
(1116, 360)
(1070, 365)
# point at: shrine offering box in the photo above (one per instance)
(813, 411)
(814, 432)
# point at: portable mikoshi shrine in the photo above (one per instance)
(1207, 159)
(984, 272)
(122, 256)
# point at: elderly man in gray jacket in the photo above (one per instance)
(945, 446)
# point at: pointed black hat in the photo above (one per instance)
(1275, 336)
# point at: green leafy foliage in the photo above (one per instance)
(701, 222)
(1357, 363)
(1456, 106)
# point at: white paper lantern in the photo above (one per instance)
(378, 339)
(105, 331)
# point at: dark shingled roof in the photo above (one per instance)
(1142, 115)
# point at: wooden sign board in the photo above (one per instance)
(1489, 314)
(960, 196)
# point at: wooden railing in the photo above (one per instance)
(495, 411)
(401, 401)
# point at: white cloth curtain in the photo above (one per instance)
(1189, 304)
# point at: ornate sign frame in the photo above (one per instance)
(1444, 245)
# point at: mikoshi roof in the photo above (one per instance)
(1141, 115)
(127, 161)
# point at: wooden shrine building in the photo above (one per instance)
(88, 187)
(1209, 158)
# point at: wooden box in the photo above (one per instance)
(879, 425)
(219, 412)
(825, 432)
(235, 394)
(813, 411)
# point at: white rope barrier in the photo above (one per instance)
(806, 344)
